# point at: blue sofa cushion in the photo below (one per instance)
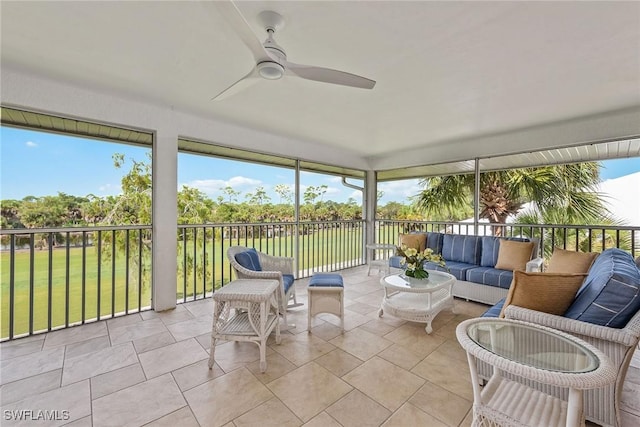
(326, 279)
(491, 248)
(457, 269)
(249, 259)
(464, 249)
(287, 281)
(490, 276)
(610, 295)
(434, 241)
(495, 310)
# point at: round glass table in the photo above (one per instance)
(530, 352)
(417, 300)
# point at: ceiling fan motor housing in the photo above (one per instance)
(270, 70)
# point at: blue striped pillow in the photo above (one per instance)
(249, 259)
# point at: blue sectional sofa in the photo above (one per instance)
(472, 260)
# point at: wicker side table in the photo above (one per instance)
(530, 352)
(255, 303)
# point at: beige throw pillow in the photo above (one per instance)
(563, 261)
(416, 241)
(514, 255)
(547, 292)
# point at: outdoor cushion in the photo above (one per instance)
(491, 248)
(495, 310)
(416, 241)
(249, 260)
(550, 293)
(457, 269)
(563, 261)
(287, 281)
(326, 279)
(490, 276)
(464, 249)
(610, 295)
(514, 255)
(434, 242)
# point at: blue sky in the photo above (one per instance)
(38, 164)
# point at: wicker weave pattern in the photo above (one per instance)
(601, 405)
(272, 268)
(507, 402)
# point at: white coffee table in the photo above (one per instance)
(417, 301)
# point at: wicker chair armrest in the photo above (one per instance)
(535, 265)
(627, 336)
(276, 263)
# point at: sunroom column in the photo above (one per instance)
(165, 219)
(370, 201)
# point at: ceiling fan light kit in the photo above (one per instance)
(271, 59)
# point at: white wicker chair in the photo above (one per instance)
(602, 405)
(273, 267)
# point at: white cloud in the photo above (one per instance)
(30, 144)
(214, 187)
(399, 191)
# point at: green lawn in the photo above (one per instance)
(325, 247)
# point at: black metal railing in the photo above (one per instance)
(59, 277)
(585, 238)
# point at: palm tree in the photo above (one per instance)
(570, 189)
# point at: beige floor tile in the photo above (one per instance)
(468, 419)
(272, 413)
(196, 374)
(361, 308)
(401, 356)
(374, 298)
(326, 331)
(113, 381)
(75, 334)
(214, 405)
(96, 363)
(630, 399)
(124, 320)
(322, 420)
(200, 308)
(70, 403)
(191, 328)
(82, 422)
(449, 330)
(302, 348)
(19, 347)
(453, 349)
(629, 420)
(233, 355)
(451, 374)
(171, 357)
(338, 362)
(177, 314)
(277, 366)
(31, 364)
(360, 343)
(422, 344)
(183, 417)
(309, 390)
(136, 331)
(442, 404)
(471, 309)
(384, 382)
(409, 415)
(358, 410)
(18, 390)
(410, 330)
(87, 346)
(377, 326)
(153, 341)
(138, 404)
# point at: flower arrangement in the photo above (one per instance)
(414, 260)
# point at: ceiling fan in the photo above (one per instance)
(271, 59)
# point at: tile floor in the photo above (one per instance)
(151, 369)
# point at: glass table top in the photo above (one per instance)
(435, 279)
(532, 346)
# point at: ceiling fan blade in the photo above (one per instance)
(248, 80)
(230, 12)
(327, 75)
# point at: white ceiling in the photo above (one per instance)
(445, 71)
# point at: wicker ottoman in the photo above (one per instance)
(325, 295)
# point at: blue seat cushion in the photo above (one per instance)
(610, 295)
(249, 259)
(396, 262)
(457, 269)
(464, 249)
(326, 279)
(434, 242)
(495, 310)
(287, 281)
(491, 277)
